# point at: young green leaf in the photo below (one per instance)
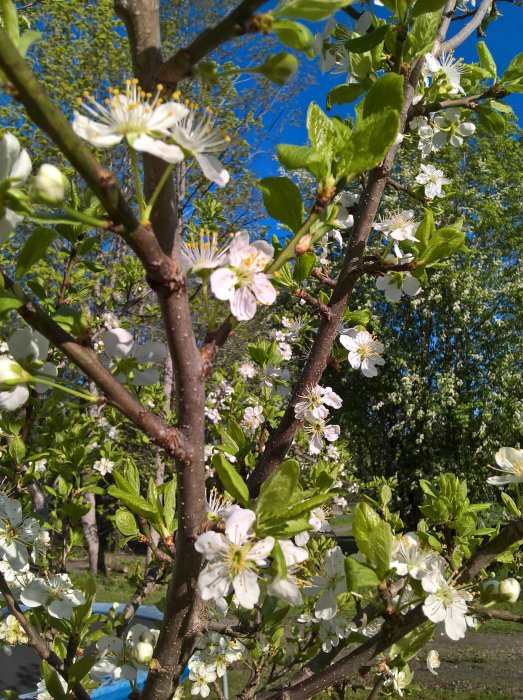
(34, 250)
(282, 200)
(231, 480)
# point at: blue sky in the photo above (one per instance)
(504, 39)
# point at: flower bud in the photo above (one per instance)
(303, 244)
(509, 590)
(11, 373)
(489, 590)
(143, 652)
(50, 184)
(147, 636)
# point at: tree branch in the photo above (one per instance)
(467, 30)
(160, 432)
(236, 24)
(495, 614)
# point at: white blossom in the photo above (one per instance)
(233, 559)
(396, 284)
(104, 466)
(314, 402)
(408, 557)
(397, 679)
(510, 464)
(123, 657)
(433, 661)
(450, 67)
(50, 184)
(15, 166)
(242, 282)
(203, 254)
(433, 180)
(135, 115)
(201, 675)
(199, 139)
(287, 588)
(55, 594)
(445, 603)
(16, 534)
(364, 351)
(247, 370)
(319, 431)
(11, 634)
(509, 590)
(401, 226)
(253, 417)
(330, 584)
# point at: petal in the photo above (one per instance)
(243, 304)
(263, 289)
(28, 343)
(238, 526)
(8, 224)
(95, 133)
(326, 607)
(170, 153)
(286, 589)
(247, 589)
(223, 281)
(13, 399)
(21, 167)
(153, 351)
(212, 545)
(214, 581)
(261, 550)
(411, 286)
(213, 169)
(117, 342)
(166, 115)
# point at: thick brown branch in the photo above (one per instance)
(235, 24)
(486, 554)
(470, 102)
(324, 279)
(495, 614)
(314, 302)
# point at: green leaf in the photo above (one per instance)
(81, 668)
(386, 92)
(278, 68)
(136, 504)
(126, 522)
(368, 41)
(514, 70)
(231, 480)
(445, 242)
(8, 302)
(320, 129)
(296, 157)
(312, 10)
(278, 490)
(303, 266)
(369, 144)
(491, 120)
(364, 522)
(486, 59)
(282, 200)
(293, 34)
(511, 505)
(27, 39)
(380, 548)
(279, 560)
(132, 475)
(357, 318)
(17, 449)
(421, 7)
(359, 575)
(71, 320)
(52, 682)
(420, 39)
(169, 504)
(425, 230)
(344, 94)
(412, 642)
(34, 249)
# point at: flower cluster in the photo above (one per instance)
(15, 168)
(123, 657)
(312, 408)
(241, 281)
(440, 129)
(169, 130)
(216, 654)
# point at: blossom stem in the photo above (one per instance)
(138, 183)
(289, 251)
(79, 394)
(161, 182)
(85, 218)
(518, 494)
(387, 249)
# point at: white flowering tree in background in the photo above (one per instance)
(224, 457)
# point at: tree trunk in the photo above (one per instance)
(90, 529)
